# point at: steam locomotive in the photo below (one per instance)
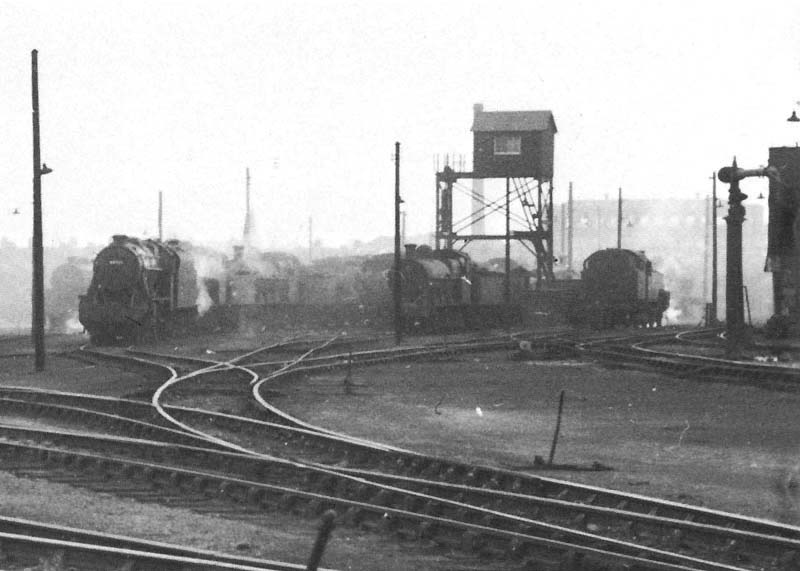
(138, 288)
(444, 289)
(141, 288)
(620, 287)
(67, 282)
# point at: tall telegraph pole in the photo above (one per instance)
(396, 284)
(713, 249)
(39, 169)
(619, 219)
(160, 216)
(507, 278)
(248, 220)
(706, 234)
(570, 215)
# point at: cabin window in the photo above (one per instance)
(508, 145)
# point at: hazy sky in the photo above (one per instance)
(138, 97)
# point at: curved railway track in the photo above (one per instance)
(57, 547)
(309, 491)
(477, 509)
(638, 352)
(262, 482)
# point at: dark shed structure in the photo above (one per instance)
(513, 144)
(782, 246)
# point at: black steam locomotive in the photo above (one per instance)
(67, 282)
(138, 288)
(620, 287)
(443, 289)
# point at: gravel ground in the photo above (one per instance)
(278, 536)
(726, 447)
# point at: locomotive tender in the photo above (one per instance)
(620, 287)
(138, 287)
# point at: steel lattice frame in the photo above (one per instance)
(534, 197)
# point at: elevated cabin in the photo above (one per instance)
(513, 144)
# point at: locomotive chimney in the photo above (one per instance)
(238, 252)
(410, 250)
(119, 238)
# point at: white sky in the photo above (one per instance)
(138, 97)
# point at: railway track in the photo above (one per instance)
(573, 509)
(634, 351)
(488, 531)
(731, 540)
(57, 547)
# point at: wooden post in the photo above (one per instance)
(397, 292)
(706, 232)
(507, 279)
(325, 529)
(619, 219)
(713, 249)
(558, 428)
(569, 236)
(37, 301)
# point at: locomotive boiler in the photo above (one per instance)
(445, 289)
(138, 288)
(620, 287)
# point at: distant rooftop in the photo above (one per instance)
(514, 121)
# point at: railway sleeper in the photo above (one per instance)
(580, 521)
(315, 507)
(544, 559)
(789, 560)
(432, 508)
(426, 531)
(630, 529)
(342, 487)
(430, 471)
(360, 491)
(410, 503)
(472, 541)
(449, 475)
(382, 498)
(353, 517)
(287, 502)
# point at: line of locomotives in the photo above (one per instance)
(142, 288)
